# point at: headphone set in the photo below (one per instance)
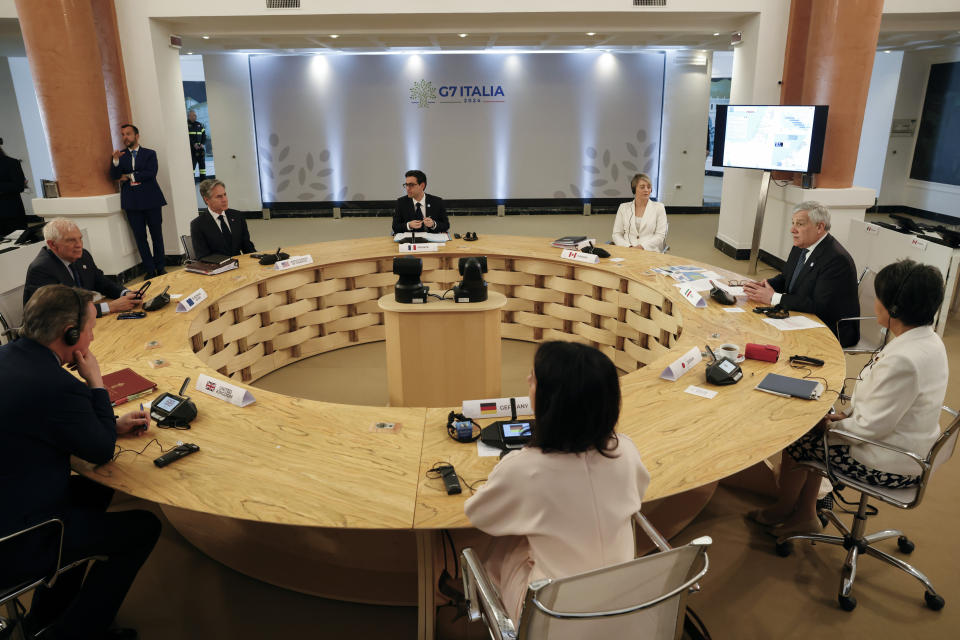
(894, 310)
(470, 236)
(461, 428)
(72, 334)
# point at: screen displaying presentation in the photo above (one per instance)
(770, 137)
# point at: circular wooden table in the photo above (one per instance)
(306, 495)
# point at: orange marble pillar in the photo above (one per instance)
(829, 60)
(114, 80)
(61, 39)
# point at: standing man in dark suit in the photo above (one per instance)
(219, 229)
(49, 415)
(12, 184)
(820, 276)
(419, 211)
(65, 261)
(140, 196)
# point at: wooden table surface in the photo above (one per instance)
(292, 461)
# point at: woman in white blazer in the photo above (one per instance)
(564, 503)
(641, 223)
(897, 402)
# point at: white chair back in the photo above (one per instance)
(648, 595)
(945, 445)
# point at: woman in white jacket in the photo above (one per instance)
(897, 402)
(641, 223)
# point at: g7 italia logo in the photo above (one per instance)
(423, 93)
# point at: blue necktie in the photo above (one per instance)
(75, 270)
(796, 272)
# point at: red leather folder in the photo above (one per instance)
(126, 385)
(764, 352)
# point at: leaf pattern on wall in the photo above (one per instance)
(607, 170)
(300, 188)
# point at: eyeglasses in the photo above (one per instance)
(410, 185)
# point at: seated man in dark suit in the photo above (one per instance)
(49, 415)
(819, 278)
(65, 261)
(419, 211)
(219, 229)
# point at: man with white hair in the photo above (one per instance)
(65, 261)
(820, 277)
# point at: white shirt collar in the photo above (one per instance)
(814, 245)
(422, 201)
(215, 215)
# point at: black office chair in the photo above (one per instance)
(853, 539)
(9, 594)
(188, 249)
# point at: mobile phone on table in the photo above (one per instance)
(132, 315)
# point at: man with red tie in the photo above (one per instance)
(219, 229)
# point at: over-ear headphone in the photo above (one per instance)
(460, 427)
(894, 310)
(72, 334)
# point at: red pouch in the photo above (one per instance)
(764, 352)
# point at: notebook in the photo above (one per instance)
(126, 385)
(790, 387)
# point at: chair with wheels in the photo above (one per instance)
(853, 539)
(643, 598)
(872, 335)
(13, 624)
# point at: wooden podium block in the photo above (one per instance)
(442, 352)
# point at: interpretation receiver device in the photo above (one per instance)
(508, 434)
(722, 371)
(174, 411)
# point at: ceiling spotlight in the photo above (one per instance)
(334, 35)
(205, 37)
(464, 35)
(189, 53)
(591, 33)
(716, 34)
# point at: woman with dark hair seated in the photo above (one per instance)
(897, 402)
(566, 499)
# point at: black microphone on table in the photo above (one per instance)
(272, 258)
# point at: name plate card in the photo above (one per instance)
(409, 247)
(683, 364)
(579, 256)
(290, 263)
(693, 297)
(496, 407)
(223, 390)
(191, 301)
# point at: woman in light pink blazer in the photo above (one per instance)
(564, 503)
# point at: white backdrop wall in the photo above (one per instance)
(898, 187)
(493, 126)
(877, 117)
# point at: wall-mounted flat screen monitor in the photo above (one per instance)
(770, 137)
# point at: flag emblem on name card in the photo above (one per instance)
(211, 385)
(488, 407)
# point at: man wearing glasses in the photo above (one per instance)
(419, 211)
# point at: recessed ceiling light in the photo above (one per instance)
(717, 33)
(189, 53)
(591, 33)
(205, 37)
(334, 35)
(464, 35)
